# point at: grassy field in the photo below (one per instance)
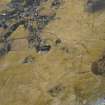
(63, 75)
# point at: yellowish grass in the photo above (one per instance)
(28, 84)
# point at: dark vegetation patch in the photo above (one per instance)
(29, 59)
(56, 90)
(95, 5)
(98, 67)
(26, 13)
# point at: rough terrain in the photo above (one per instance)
(63, 75)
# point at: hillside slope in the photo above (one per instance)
(63, 75)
